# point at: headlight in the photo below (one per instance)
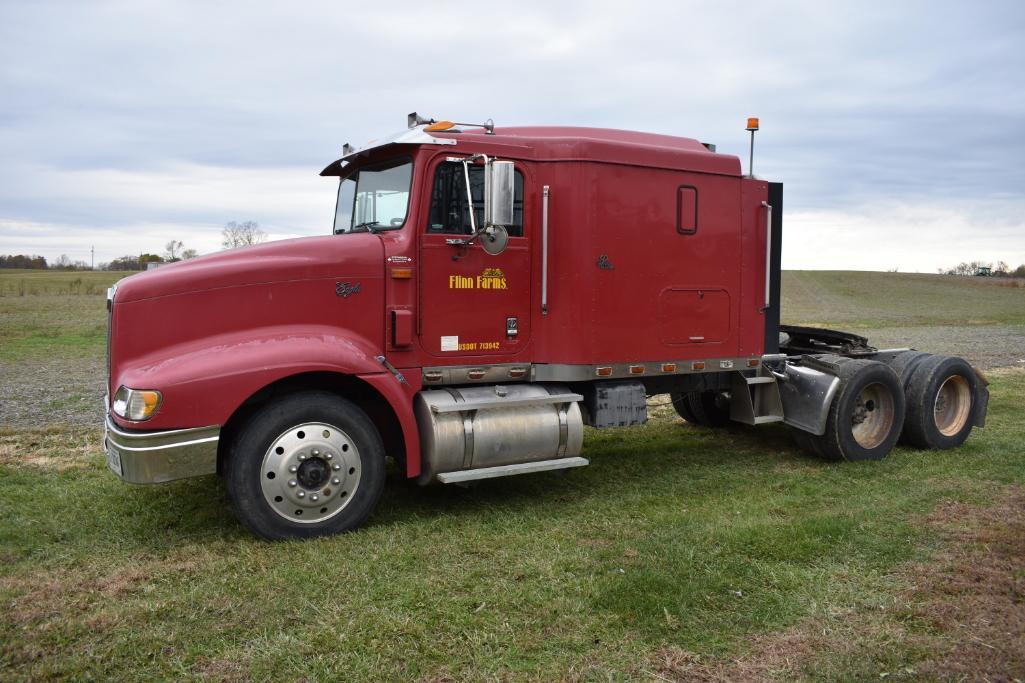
(135, 404)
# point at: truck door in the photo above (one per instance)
(472, 303)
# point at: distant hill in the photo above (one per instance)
(866, 299)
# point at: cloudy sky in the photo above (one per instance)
(898, 128)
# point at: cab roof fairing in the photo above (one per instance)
(568, 143)
(413, 136)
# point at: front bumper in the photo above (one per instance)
(156, 457)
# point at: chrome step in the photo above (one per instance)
(755, 400)
(509, 470)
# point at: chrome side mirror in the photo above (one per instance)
(500, 191)
(499, 198)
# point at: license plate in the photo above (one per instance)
(114, 460)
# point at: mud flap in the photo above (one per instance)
(981, 400)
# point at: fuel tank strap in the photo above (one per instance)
(506, 403)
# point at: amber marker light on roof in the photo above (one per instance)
(443, 125)
(752, 123)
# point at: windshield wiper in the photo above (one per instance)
(369, 225)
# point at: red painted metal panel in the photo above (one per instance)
(402, 327)
(208, 332)
(467, 295)
(753, 229)
(628, 278)
(693, 316)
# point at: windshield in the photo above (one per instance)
(374, 197)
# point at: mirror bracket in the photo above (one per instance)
(497, 200)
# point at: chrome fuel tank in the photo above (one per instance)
(470, 428)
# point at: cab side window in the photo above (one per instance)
(450, 213)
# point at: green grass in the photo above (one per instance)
(867, 300)
(17, 282)
(674, 537)
(47, 313)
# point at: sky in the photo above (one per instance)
(897, 128)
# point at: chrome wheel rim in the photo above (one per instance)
(310, 472)
(873, 415)
(953, 405)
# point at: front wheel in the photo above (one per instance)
(306, 465)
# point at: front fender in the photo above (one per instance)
(204, 382)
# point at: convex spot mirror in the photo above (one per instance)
(495, 239)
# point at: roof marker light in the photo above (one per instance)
(752, 125)
(440, 126)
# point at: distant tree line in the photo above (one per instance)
(233, 235)
(173, 251)
(22, 261)
(970, 268)
(132, 262)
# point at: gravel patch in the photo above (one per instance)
(57, 390)
(985, 346)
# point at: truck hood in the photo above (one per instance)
(307, 258)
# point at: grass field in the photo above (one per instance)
(679, 554)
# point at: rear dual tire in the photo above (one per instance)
(865, 417)
(703, 408)
(941, 403)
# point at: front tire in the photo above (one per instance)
(309, 464)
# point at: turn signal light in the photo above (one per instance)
(135, 404)
(752, 363)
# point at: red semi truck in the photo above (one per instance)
(486, 293)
